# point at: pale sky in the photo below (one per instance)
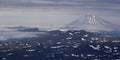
(55, 13)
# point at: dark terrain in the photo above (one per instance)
(62, 45)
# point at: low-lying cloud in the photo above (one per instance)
(17, 34)
(6, 34)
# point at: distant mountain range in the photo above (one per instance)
(96, 26)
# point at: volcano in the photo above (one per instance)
(91, 23)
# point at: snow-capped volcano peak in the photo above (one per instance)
(91, 23)
(90, 19)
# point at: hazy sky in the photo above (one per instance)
(56, 13)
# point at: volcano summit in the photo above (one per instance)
(91, 23)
